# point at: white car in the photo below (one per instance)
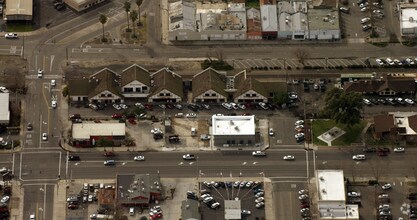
(409, 101)
(304, 196)
(215, 205)
(303, 191)
(234, 105)
(227, 106)
(366, 102)
(117, 107)
(389, 61)
(386, 186)
(289, 157)
(304, 210)
(3, 89)
(410, 61)
(139, 158)
(260, 199)
(398, 62)
(131, 211)
(11, 36)
(258, 153)
(139, 105)
(299, 122)
(5, 199)
(44, 136)
(54, 104)
(123, 106)
(271, 132)
(259, 205)
(299, 135)
(379, 62)
(365, 20)
(208, 199)
(263, 106)
(241, 106)
(246, 212)
(32, 217)
(359, 157)
(354, 194)
(399, 149)
(40, 73)
(53, 82)
(364, 9)
(191, 115)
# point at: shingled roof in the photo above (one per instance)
(103, 80)
(405, 85)
(79, 87)
(245, 84)
(209, 79)
(135, 72)
(166, 79)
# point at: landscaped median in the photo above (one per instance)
(352, 135)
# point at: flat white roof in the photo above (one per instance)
(232, 209)
(401, 120)
(408, 18)
(86, 130)
(269, 18)
(233, 125)
(331, 185)
(4, 108)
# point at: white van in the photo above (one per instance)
(193, 132)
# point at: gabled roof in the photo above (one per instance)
(398, 85)
(209, 79)
(246, 84)
(166, 79)
(103, 80)
(79, 87)
(384, 123)
(135, 72)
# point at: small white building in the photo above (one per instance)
(408, 20)
(233, 131)
(332, 196)
(4, 109)
(269, 20)
(323, 24)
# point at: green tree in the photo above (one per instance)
(65, 91)
(280, 98)
(139, 3)
(134, 17)
(103, 20)
(343, 107)
(127, 9)
(103, 142)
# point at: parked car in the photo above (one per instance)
(271, 132)
(354, 194)
(399, 149)
(205, 137)
(359, 157)
(109, 154)
(139, 158)
(11, 36)
(74, 158)
(44, 136)
(386, 186)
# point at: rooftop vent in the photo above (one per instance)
(321, 178)
(323, 191)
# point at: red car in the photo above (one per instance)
(132, 121)
(149, 107)
(109, 154)
(117, 116)
(156, 216)
(72, 206)
(382, 153)
(305, 205)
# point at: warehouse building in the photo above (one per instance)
(18, 10)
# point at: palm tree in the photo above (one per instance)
(139, 3)
(127, 9)
(103, 20)
(134, 17)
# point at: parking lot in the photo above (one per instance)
(372, 197)
(244, 191)
(286, 202)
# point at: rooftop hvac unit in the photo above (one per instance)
(231, 122)
(143, 189)
(134, 187)
(321, 178)
(236, 128)
(323, 191)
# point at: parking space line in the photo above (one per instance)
(261, 62)
(243, 63)
(332, 62)
(251, 63)
(343, 62)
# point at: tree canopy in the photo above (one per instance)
(344, 108)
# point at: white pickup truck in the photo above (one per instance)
(11, 36)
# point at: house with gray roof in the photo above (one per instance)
(166, 86)
(323, 24)
(138, 189)
(209, 86)
(190, 210)
(135, 82)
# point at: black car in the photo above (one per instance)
(75, 116)
(193, 108)
(157, 136)
(412, 196)
(173, 139)
(74, 158)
